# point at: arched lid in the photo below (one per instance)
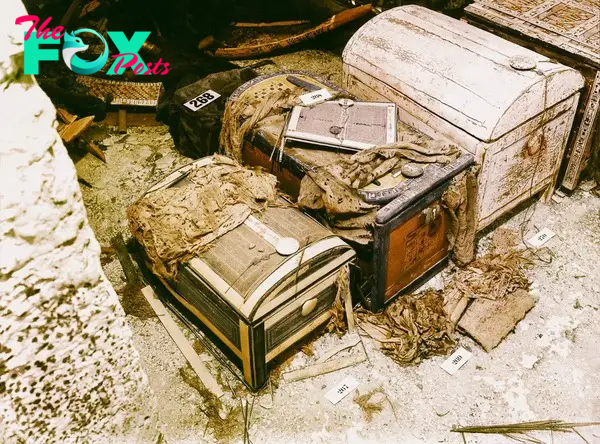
(477, 81)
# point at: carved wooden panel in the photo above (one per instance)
(568, 30)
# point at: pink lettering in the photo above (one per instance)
(43, 32)
(28, 18)
(58, 30)
(129, 64)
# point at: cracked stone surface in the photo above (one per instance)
(68, 368)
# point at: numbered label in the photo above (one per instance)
(456, 360)
(202, 100)
(315, 97)
(541, 238)
(341, 389)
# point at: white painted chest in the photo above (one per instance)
(509, 106)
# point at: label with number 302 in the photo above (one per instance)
(202, 100)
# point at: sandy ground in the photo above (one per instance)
(549, 368)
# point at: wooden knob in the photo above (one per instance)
(309, 306)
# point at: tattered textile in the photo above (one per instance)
(338, 321)
(460, 200)
(412, 328)
(177, 223)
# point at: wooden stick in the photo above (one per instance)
(129, 269)
(182, 343)
(334, 351)
(268, 25)
(334, 22)
(323, 368)
(94, 149)
(349, 311)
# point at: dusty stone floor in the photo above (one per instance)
(549, 368)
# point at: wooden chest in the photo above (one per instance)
(409, 238)
(510, 107)
(567, 31)
(264, 285)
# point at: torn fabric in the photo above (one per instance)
(177, 223)
(412, 328)
(460, 200)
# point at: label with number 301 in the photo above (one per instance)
(202, 100)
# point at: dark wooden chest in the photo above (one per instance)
(409, 237)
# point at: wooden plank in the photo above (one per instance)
(122, 120)
(182, 343)
(584, 136)
(133, 119)
(488, 321)
(269, 25)
(324, 368)
(75, 129)
(131, 273)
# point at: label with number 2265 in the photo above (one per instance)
(202, 100)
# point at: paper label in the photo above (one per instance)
(456, 360)
(315, 97)
(341, 389)
(202, 100)
(541, 238)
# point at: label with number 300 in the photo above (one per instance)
(202, 100)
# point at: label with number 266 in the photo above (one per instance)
(202, 100)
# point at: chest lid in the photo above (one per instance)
(479, 82)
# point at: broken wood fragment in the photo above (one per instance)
(131, 273)
(488, 321)
(94, 149)
(182, 343)
(354, 340)
(90, 7)
(122, 120)
(73, 130)
(65, 115)
(332, 23)
(206, 42)
(269, 25)
(324, 368)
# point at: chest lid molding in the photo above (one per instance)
(467, 76)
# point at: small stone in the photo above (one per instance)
(588, 185)
(251, 246)
(411, 170)
(335, 130)
(443, 409)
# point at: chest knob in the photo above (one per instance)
(309, 306)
